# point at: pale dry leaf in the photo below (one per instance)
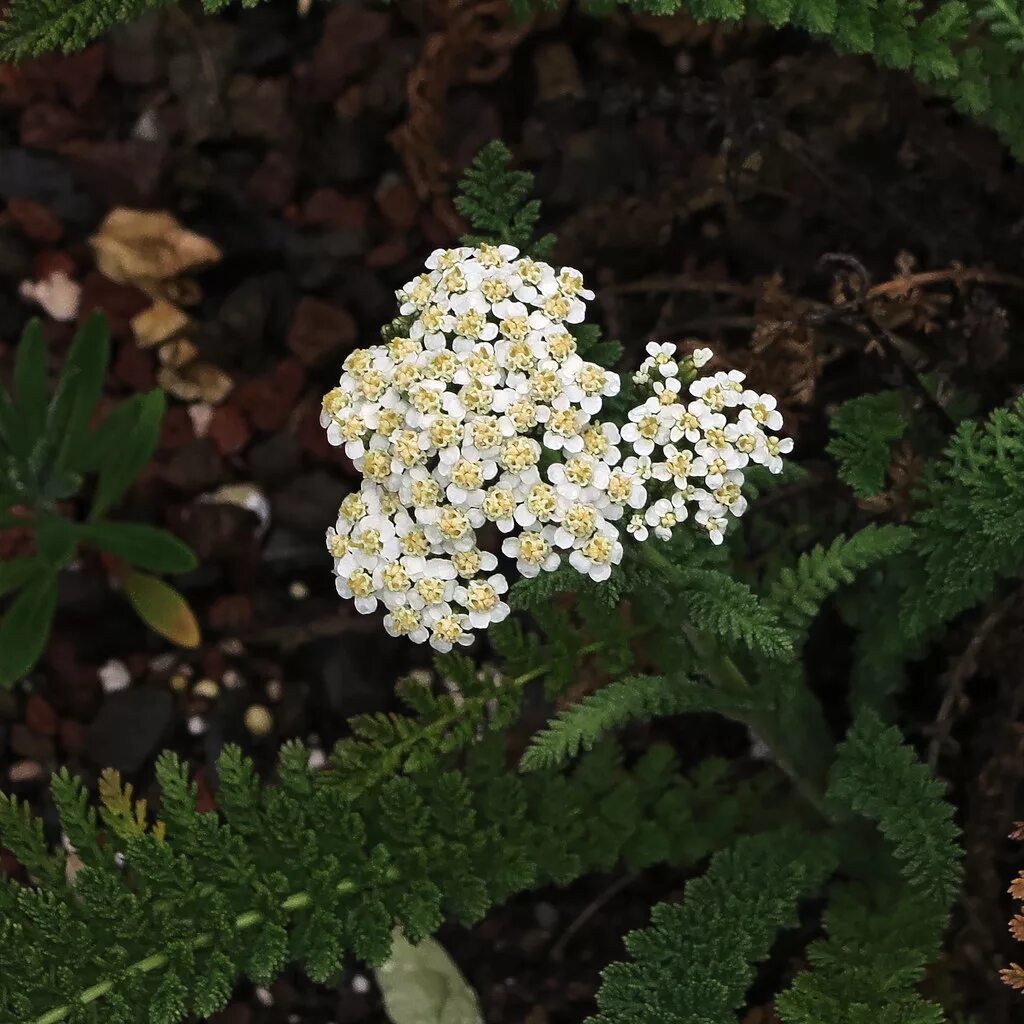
(178, 353)
(422, 985)
(196, 382)
(247, 496)
(142, 247)
(161, 322)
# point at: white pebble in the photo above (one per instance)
(360, 984)
(197, 725)
(264, 996)
(114, 676)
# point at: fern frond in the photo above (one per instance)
(731, 611)
(496, 201)
(694, 963)
(797, 593)
(877, 775)
(633, 699)
(863, 432)
(879, 944)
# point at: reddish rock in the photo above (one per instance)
(319, 328)
(72, 735)
(387, 254)
(40, 717)
(213, 663)
(273, 182)
(330, 209)
(135, 368)
(313, 437)
(53, 261)
(36, 222)
(269, 400)
(48, 126)
(345, 47)
(228, 430)
(397, 202)
(230, 613)
(118, 301)
(176, 431)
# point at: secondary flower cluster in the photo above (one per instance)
(485, 413)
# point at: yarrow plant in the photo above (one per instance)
(484, 412)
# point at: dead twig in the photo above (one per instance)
(558, 949)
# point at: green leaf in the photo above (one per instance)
(55, 539)
(162, 608)
(25, 628)
(145, 547)
(421, 985)
(80, 387)
(16, 572)
(864, 430)
(130, 455)
(30, 384)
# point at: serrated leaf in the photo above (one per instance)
(422, 985)
(144, 547)
(25, 628)
(162, 608)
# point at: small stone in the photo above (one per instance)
(228, 430)
(196, 725)
(58, 295)
(298, 591)
(320, 328)
(258, 720)
(200, 413)
(25, 771)
(40, 717)
(231, 679)
(265, 996)
(207, 689)
(317, 760)
(114, 676)
(37, 222)
(230, 611)
(328, 208)
(360, 984)
(274, 690)
(72, 735)
(397, 202)
(178, 682)
(232, 647)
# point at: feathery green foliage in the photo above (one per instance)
(970, 528)
(882, 933)
(797, 594)
(634, 698)
(694, 963)
(864, 429)
(880, 777)
(47, 451)
(496, 201)
(302, 872)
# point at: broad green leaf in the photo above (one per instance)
(106, 440)
(145, 547)
(79, 388)
(26, 627)
(30, 384)
(16, 572)
(129, 456)
(55, 538)
(421, 985)
(162, 608)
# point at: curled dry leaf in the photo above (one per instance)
(143, 248)
(247, 496)
(161, 322)
(195, 382)
(178, 353)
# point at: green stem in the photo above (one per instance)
(723, 673)
(157, 961)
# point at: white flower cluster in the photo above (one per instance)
(695, 436)
(486, 413)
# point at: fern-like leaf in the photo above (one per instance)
(863, 432)
(633, 699)
(694, 963)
